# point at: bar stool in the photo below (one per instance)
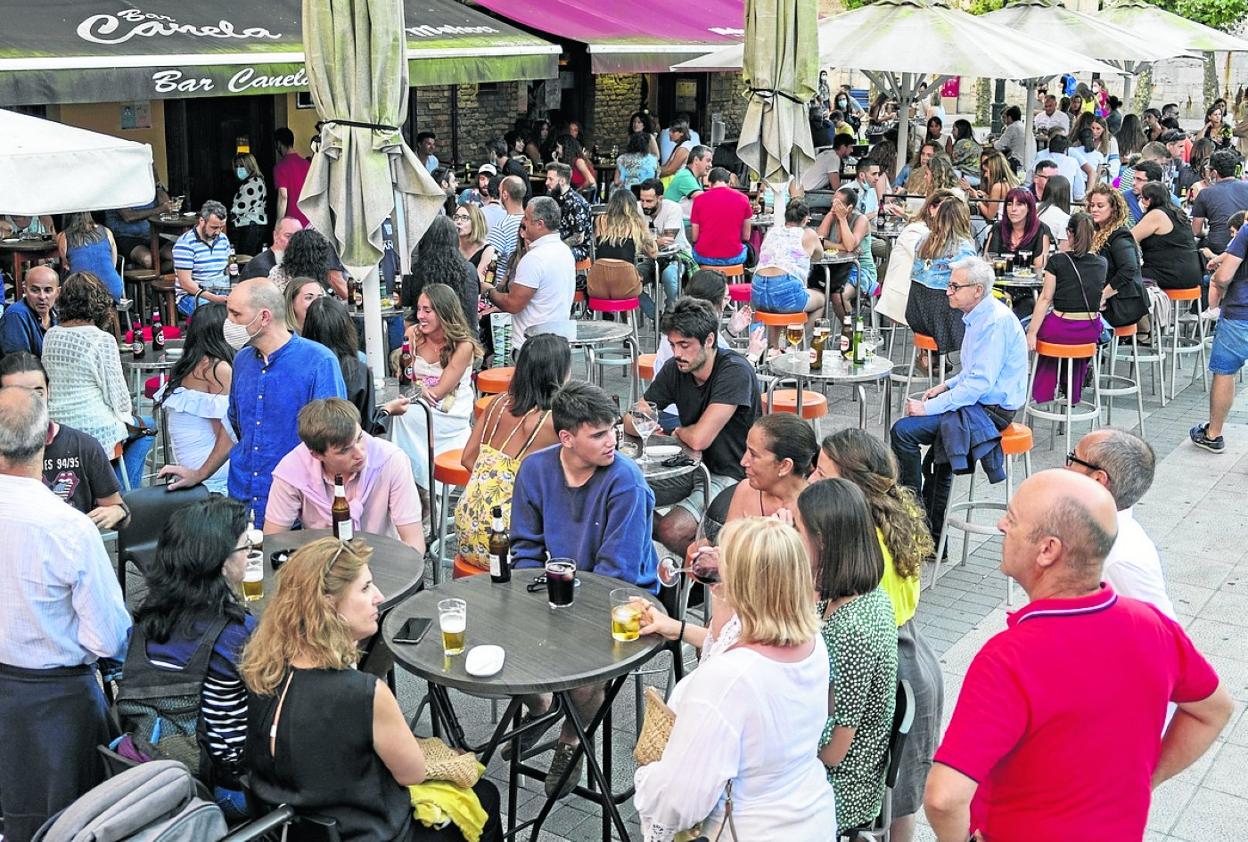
(1070, 353)
(923, 342)
(645, 367)
(495, 381)
(1117, 384)
(449, 472)
(481, 404)
(1180, 345)
(461, 569)
(1016, 440)
(630, 308)
(814, 404)
(735, 271)
(583, 265)
(739, 294)
(776, 321)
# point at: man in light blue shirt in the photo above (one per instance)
(993, 376)
(1067, 165)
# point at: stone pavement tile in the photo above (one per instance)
(1234, 675)
(1203, 570)
(1227, 608)
(1188, 599)
(1212, 815)
(1226, 774)
(1167, 805)
(1237, 731)
(1214, 637)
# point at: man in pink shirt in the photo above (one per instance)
(380, 489)
(289, 173)
(1058, 732)
(720, 222)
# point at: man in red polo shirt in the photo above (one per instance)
(1058, 729)
(720, 222)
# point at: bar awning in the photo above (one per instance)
(632, 38)
(66, 51)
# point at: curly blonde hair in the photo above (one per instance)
(300, 620)
(1117, 215)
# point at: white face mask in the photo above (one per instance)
(237, 336)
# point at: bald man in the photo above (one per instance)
(275, 374)
(1055, 731)
(24, 324)
(263, 263)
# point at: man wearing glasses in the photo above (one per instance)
(963, 416)
(1124, 463)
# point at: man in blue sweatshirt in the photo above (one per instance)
(577, 500)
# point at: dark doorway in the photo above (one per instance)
(202, 136)
(684, 93)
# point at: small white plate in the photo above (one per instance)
(485, 660)
(660, 451)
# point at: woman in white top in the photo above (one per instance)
(443, 350)
(1054, 207)
(197, 395)
(751, 715)
(87, 389)
(779, 284)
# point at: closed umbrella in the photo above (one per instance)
(357, 71)
(898, 43)
(781, 70)
(1156, 25)
(1047, 22)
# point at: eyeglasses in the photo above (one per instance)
(1072, 459)
(955, 287)
(461, 217)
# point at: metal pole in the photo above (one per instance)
(374, 338)
(905, 95)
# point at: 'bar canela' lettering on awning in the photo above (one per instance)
(110, 29)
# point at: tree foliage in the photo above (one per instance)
(1220, 14)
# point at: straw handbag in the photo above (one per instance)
(656, 729)
(443, 763)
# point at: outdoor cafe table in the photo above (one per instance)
(838, 372)
(591, 334)
(665, 255)
(833, 258)
(1011, 280)
(657, 473)
(398, 570)
(22, 252)
(547, 651)
(173, 225)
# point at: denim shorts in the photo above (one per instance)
(1230, 346)
(779, 293)
(721, 261)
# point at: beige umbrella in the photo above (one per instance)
(781, 69)
(364, 171)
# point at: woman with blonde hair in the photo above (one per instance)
(948, 240)
(1112, 240)
(622, 235)
(473, 229)
(996, 179)
(300, 293)
(323, 736)
(767, 689)
(248, 213)
(443, 349)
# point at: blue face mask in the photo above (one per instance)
(241, 172)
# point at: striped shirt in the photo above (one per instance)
(208, 262)
(505, 237)
(60, 604)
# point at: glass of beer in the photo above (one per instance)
(625, 615)
(453, 620)
(560, 582)
(795, 334)
(253, 577)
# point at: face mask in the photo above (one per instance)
(241, 172)
(237, 336)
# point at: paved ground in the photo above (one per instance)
(1193, 513)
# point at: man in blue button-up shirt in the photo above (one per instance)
(275, 374)
(993, 375)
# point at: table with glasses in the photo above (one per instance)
(23, 251)
(398, 570)
(174, 225)
(666, 255)
(591, 334)
(1035, 280)
(662, 476)
(833, 257)
(548, 650)
(153, 361)
(836, 371)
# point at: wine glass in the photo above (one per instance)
(646, 423)
(795, 334)
(871, 339)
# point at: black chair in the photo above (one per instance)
(150, 508)
(903, 720)
(289, 825)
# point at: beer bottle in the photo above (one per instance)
(491, 272)
(158, 331)
(406, 373)
(500, 550)
(818, 340)
(847, 338)
(860, 348)
(138, 346)
(340, 513)
(232, 266)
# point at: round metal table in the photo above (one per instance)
(547, 651)
(156, 362)
(1032, 281)
(665, 256)
(591, 334)
(837, 371)
(398, 570)
(830, 259)
(655, 471)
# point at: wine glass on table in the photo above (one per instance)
(795, 334)
(646, 423)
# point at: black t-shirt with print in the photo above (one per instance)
(76, 468)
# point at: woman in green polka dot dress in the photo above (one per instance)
(861, 637)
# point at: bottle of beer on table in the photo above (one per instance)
(500, 549)
(340, 512)
(406, 372)
(819, 341)
(232, 267)
(138, 346)
(860, 348)
(158, 331)
(847, 338)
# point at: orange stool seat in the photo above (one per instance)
(578, 297)
(1066, 352)
(614, 305)
(481, 404)
(461, 569)
(645, 366)
(925, 343)
(583, 265)
(494, 381)
(1182, 294)
(1125, 330)
(446, 468)
(736, 271)
(814, 404)
(1016, 439)
(780, 319)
